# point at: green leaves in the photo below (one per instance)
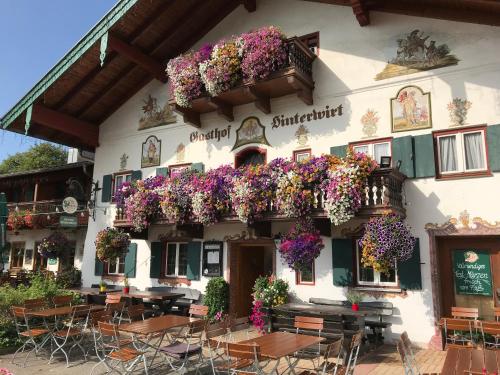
(42, 155)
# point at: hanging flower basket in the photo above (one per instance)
(301, 245)
(111, 243)
(53, 246)
(386, 240)
(142, 206)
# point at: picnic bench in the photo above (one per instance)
(181, 305)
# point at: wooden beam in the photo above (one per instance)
(361, 12)
(250, 5)
(261, 101)
(60, 122)
(138, 57)
(188, 115)
(224, 109)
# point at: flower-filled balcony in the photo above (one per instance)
(251, 68)
(325, 187)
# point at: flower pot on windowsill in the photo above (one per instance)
(355, 307)
(126, 289)
(102, 289)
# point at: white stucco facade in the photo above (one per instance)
(349, 59)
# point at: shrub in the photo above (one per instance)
(70, 277)
(216, 297)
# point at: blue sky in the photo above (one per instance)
(34, 35)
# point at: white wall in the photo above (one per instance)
(349, 59)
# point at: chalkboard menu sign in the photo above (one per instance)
(472, 272)
(212, 258)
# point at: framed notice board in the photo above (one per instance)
(472, 272)
(212, 258)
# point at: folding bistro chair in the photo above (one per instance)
(491, 334)
(185, 348)
(198, 311)
(73, 333)
(113, 303)
(27, 333)
(215, 343)
(35, 304)
(309, 326)
(354, 346)
(409, 365)
(246, 359)
(116, 356)
(465, 312)
(408, 347)
(238, 325)
(458, 331)
(334, 350)
(59, 301)
(497, 314)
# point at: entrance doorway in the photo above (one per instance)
(469, 273)
(247, 262)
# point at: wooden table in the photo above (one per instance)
(471, 361)
(91, 292)
(59, 311)
(157, 295)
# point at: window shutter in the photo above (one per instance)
(155, 261)
(163, 171)
(131, 260)
(193, 260)
(340, 151)
(136, 175)
(409, 274)
(342, 261)
(200, 167)
(402, 149)
(424, 156)
(99, 267)
(493, 139)
(107, 182)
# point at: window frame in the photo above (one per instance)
(371, 146)
(460, 146)
(243, 153)
(376, 275)
(114, 185)
(179, 167)
(298, 276)
(309, 40)
(304, 151)
(165, 258)
(13, 246)
(106, 267)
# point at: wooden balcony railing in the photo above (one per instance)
(382, 195)
(294, 78)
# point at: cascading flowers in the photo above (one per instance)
(301, 245)
(175, 201)
(53, 246)
(386, 240)
(111, 243)
(142, 206)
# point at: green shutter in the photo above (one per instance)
(342, 261)
(162, 172)
(423, 146)
(131, 260)
(155, 261)
(194, 258)
(99, 267)
(136, 175)
(402, 149)
(340, 151)
(107, 181)
(200, 167)
(409, 274)
(493, 139)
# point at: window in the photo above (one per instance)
(367, 276)
(306, 275)
(461, 152)
(40, 263)
(250, 156)
(176, 259)
(17, 255)
(120, 179)
(375, 149)
(176, 170)
(311, 41)
(116, 266)
(301, 155)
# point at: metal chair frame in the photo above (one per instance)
(216, 338)
(490, 329)
(308, 325)
(237, 354)
(460, 328)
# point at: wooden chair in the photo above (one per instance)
(198, 311)
(116, 356)
(59, 301)
(35, 304)
(335, 351)
(113, 303)
(409, 365)
(309, 326)
(238, 325)
(465, 312)
(458, 331)
(491, 334)
(496, 312)
(244, 359)
(215, 342)
(29, 335)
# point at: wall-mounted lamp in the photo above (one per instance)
(385, 161)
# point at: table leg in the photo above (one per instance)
(443, 338)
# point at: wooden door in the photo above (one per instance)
(447, 246)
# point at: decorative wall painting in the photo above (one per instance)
(123, 162)
(151, 151)
(154, 115)
(458, 109)
(180, 152)
(250, 131)
(411, 110)
(302, 135)
(415, 53)
(370, 122)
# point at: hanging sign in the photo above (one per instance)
(69, 205)
(212, 258)
(68, 221)
(52, 261)
(472, 271)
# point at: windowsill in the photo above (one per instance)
(174, 280)
(305, 284)
(386, 289)
(460, 175)
(113, 277)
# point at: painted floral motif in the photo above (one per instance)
(370, 121)
(458, 109)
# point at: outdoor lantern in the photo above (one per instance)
(277, 242)
(385, 161)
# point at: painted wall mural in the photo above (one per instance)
(151, 152)
(180, 152)
(154, 115)
(123, 162)
(302, 135)
(458, 109)
(416, 53)
(250, 131)
(411, 109)
(370, 122)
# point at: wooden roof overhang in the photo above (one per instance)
(128, 48)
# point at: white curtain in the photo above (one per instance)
(361, 149)
(379, 150)
(474, 155)
(448, 154)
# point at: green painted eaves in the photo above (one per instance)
(69, 59)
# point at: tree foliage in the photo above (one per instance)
(42, 155)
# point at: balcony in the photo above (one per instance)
(46, 214)
(294, 78)
(382, 195)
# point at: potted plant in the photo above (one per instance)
(126, 287)
(53, 246)
(354, 298)
(102, 286)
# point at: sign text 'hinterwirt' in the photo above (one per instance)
(281, 120)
